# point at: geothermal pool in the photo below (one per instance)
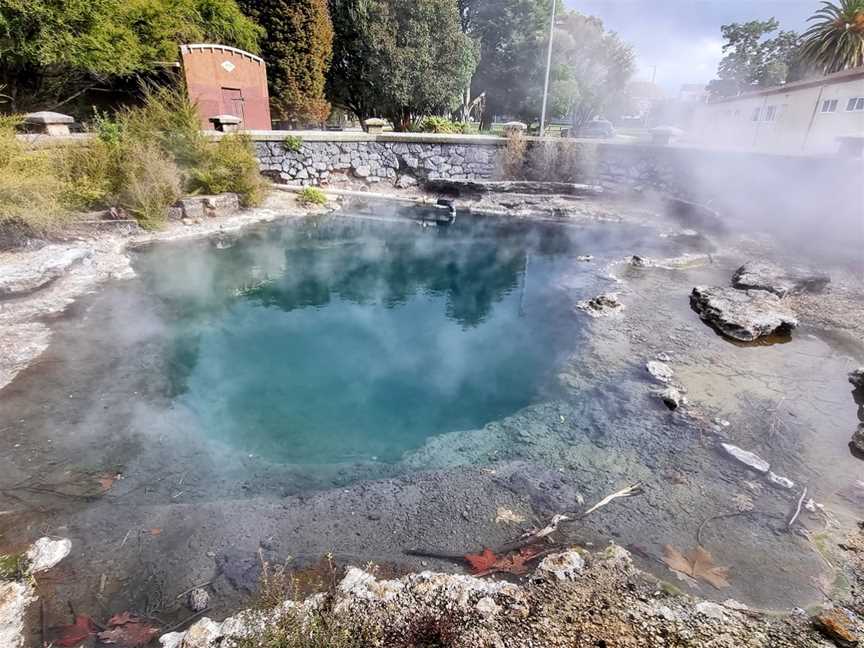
(365, 383)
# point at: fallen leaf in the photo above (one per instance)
(488, 562)
(106, 481)
(504, 514)
(482, 561)
(697, 563)
(127, 631)
(72, 635)
(155, 531)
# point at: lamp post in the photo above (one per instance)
(548, 68)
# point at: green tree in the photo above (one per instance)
(511, 34)
(298, 51)
(591, 69)
(752, 60)
(835, 41)
(52, 52)
(401, 60)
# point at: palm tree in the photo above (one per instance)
(836, 40)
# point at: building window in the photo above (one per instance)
(855, 103)
(770, 114)
(756, 113)
(829, 106)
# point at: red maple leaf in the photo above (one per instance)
(481, 562)
(72, 635)
(488, 562)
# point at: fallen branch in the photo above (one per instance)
(630, 491)
(177, 626)
(797, 510)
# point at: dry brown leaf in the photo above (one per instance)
(106, 481)
(696, 563)
(155, 531)
(128, 631)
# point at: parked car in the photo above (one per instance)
(597, 128)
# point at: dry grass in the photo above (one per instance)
(513, 160)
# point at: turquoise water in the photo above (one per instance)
(340, 339)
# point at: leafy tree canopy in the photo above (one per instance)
(404, 59)
(512, 35)
(52, 51)
(753, 58)
(298, 50)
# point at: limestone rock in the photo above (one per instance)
(762, 275)
(15, 597)
(749, 459)
(782, 482)
(43, 267)
(660, 370)
(744, 315)
(45, 553)
(561, 566)
(601, 305)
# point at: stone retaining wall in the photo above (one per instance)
(402, 164)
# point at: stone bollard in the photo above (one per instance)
(49, 123)
(514, 128)
(225, 123)
(375, 126)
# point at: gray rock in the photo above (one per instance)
(406, 181)
(46, 553)
(561, 566)
(762, 275)
(744, 315)
(671, 397)
(749, 459)
(857, 442)
(857, 378)
(362, 171)
(781, 482)
(601, 305)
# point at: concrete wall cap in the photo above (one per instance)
(48, 117)
(225, 119)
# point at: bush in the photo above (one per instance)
(31, 188)
(230, 165)
(149, 182)
(312, 196)
(292, 143)
(439, 125)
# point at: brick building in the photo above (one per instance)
(227, 81)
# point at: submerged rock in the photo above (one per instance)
(744, 315)
(601, 305)
(762, 275)
(782, 482)
(45, 553)
(749, 459)
(857, 378)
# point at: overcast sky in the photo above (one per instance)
(682, 37)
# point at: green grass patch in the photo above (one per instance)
(13, 567)
(292, 143)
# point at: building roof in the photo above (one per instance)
(829, 79)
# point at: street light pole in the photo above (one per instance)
(548, 68)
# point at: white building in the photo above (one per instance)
(813, 116)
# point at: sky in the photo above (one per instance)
(682, 37)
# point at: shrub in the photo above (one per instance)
(513, 162)
(88, 175)
(230, 165)
(31, 188)
(312, 196)
(292, 143)
(149, 182)
(439, 125)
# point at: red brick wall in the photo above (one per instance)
(227, 81)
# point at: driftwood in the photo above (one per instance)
(797, 511)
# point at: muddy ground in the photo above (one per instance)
(211, 515)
